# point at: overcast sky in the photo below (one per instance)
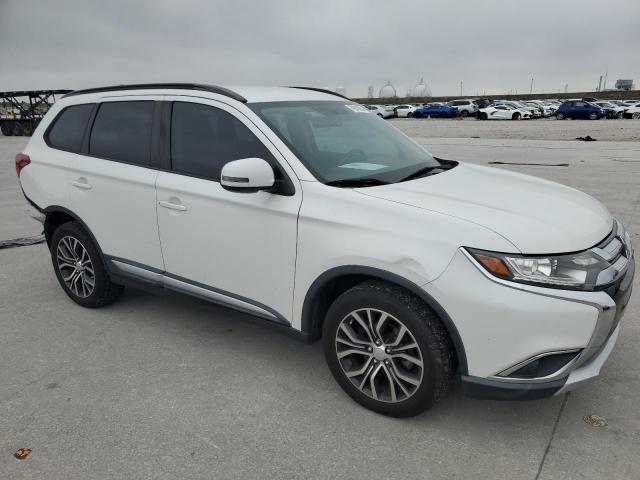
(493, 46)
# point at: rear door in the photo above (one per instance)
(232, 247)
(112, 183)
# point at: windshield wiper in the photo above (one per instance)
(356, 182)
(422, 172)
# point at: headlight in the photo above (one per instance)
(577, 271)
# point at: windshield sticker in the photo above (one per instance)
(356, 108)
(363, 166)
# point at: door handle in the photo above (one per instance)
(172, 206)
(82, 183)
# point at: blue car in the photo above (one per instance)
(437, 111)
(579, 109)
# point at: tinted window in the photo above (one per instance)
(204, 138)
(122, 131)
(68, 128)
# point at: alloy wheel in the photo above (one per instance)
(75, 267)
(379, 355)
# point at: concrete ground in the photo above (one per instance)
(156, 387)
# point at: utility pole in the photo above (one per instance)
(605, 79)
(531, 88)
(460, 87)
(600, 84)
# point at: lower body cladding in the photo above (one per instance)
(525, 342)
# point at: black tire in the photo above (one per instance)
(619, 115)
(483, 116)
(409, 114)
(27, 130)
(6, 129)
(635, 116)
(17, 129)
(515, 116)
(464, 113)
(104, 291)
(560, 116)
(423, 325)
(593, 116)
(380, 115)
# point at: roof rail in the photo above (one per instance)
(152, 86)
(321, 90)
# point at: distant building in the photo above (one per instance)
(388, 91)
(624, 84)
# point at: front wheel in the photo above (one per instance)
(636, 116)
(515, 116)
(387, 349)
(464, 113)
(6, 129)
(593, 116)
(79, 267)
(619, 115)
(409, 114)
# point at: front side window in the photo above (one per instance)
(204, 138)
(68, 129)
(339, 141)
(122, 132)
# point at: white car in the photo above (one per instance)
(465, 107)
(548, 109)
(404, 111)
(632, 111)
(611, 110)
(298, 208)
(381, 110)
(502, 112)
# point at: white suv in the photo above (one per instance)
(297, 207)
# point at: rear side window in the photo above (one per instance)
(68, 128)
(204, 138)
(122, 131)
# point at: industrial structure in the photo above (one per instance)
(21, 111)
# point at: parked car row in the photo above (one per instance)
(497, 109)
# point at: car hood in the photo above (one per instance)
(537, 216)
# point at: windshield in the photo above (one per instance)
(341, 142)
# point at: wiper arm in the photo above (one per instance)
(356, 182)
(421, 172)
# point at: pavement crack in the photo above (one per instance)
(553, 433)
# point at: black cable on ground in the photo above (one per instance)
(22, 242)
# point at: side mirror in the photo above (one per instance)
(247, 175)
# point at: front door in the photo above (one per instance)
(232, 247)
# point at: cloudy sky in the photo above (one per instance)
(493, 46)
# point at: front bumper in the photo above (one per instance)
(503, 324)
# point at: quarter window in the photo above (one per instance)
(204, 138)
(68, 129)
(122, 131)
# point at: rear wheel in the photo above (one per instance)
(27, 129)
(379, 114)
(387, 349)
(593, 116)
(636, 116)
(79, 267)
(464, 113)
(409, 114)
(560, 116)
(619, 115)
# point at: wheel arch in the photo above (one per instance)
(328, 286)
(56, 215)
